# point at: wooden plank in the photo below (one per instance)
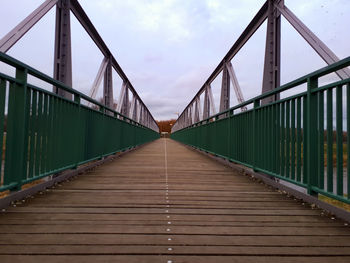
(177, 205)
(172, 258)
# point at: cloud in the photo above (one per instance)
(152, 58)
(168, 48)
(167, 17)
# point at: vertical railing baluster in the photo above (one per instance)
(299, 148)
(330, 140)
(292, 129)
(305, 126)
(321, 140)
(288, 139)
(311, 133)
(339, 138)
(283, 143)
(2, 122)
(348, 137)
(278, 138)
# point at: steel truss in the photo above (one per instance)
(270, 11)
(135, 109)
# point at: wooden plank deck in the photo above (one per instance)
(167, 203)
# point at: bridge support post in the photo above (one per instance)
(108, 86)
(190, 116)
(206, 109)
(272, 64)
(197, 110)
(225, 90)
(63, 49)
(208, 102)
(123, 102)
(311, 136)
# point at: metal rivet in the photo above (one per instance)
(168, 229)
(167, 216)
(170, 249)
(169, 223)
(169, 261)
(169, 239)
(167, 205)
(166, 211)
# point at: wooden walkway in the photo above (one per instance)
(167, 203)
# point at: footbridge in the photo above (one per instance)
(82, 180)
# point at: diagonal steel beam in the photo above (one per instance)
(132, 107)
(121, 97)
(23, 27)
(98, 79)
(208, 103)
(235, 84)
(321, 48)
(211, 101)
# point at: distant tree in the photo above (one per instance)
(165, 126)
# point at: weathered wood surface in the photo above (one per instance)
(166, 203)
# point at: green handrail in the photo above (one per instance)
(46, 134)
(291, 138)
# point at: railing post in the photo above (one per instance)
(255, 134)
(17, 131)
(79, 145)
(311, 136)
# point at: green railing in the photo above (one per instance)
(43, 134)
(292, 138)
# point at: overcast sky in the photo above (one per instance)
(168, 48)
